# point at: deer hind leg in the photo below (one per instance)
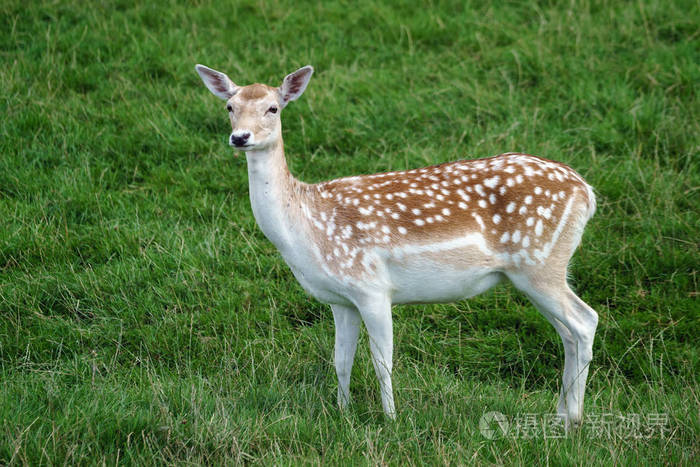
(569, 360)
(588, 322)
(347, 328)
(576, 324)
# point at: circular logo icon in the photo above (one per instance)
(493, 425)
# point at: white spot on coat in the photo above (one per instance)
(516, 237)
(479, 220)
(492, 182)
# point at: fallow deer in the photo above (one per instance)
(426, 235)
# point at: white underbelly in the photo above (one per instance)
(406, 275)
(442, 272)
(437, 284)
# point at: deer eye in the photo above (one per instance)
(229, 108)
(272, 109)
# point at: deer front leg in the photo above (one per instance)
(377, 317)
(347, 328)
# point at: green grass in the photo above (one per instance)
(144, 318)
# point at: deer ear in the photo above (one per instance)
(218, 83)
(294, 85)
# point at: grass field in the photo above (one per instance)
(145, 319)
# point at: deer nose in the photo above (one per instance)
(239, 139)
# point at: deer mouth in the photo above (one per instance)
(237, 145)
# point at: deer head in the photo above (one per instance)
(254, 110)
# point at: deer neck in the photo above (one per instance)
(275, 195)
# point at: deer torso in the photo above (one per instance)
(432, 234)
